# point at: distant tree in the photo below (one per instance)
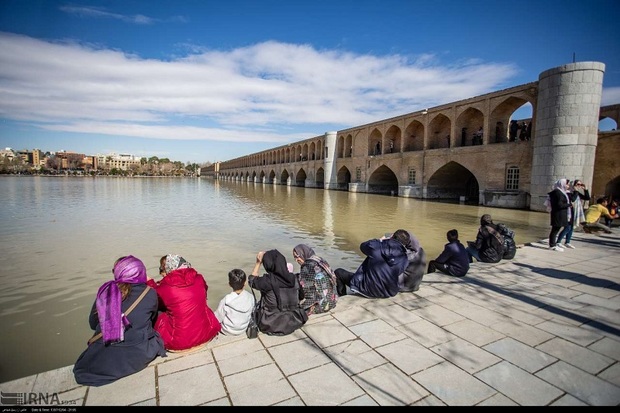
(54, 162)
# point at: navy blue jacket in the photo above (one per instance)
(455, 257)
(377, 277)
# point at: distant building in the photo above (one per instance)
(118, 161)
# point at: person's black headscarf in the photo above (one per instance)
(275, 265)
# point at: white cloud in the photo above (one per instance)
(268, 92)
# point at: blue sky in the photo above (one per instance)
(204, 81)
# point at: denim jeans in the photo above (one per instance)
(566, 232)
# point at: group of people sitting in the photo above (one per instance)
(135, 318)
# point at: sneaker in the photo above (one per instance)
(556, 248)
(569, 246)
(560, 246)
(544, 241)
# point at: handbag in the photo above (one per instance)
(252, 330)
(135, 303)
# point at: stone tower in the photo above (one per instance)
(567, 111)
(329, 160)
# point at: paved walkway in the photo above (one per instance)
(542, 329)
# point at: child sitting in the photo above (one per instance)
(235, 308)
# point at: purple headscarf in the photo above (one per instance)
(129, 270)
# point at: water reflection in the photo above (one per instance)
(60, 237)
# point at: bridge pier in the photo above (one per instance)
(567, 115)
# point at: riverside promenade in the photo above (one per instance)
(542, 329)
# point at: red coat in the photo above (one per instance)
(186, 320)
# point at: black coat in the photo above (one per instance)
(559, 208)
(490, 244)
(99, 364)
(271, 319)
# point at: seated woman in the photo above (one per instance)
(122, 317)
(186, 320)
(489, 244)
(411, 278)
(317, 281)
(280, 312)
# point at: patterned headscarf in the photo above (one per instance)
(307, 253)
(303, 251)
(129, 270)
(174, 262)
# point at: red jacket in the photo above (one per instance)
(186, 320)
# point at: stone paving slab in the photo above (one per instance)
(539, 330)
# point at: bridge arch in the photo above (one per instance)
(383, 181)
(502, 116)
(320, 178)
(393, 140)
(467, 124)
(439, 132)
(451, 182)
(343, 179)
(414, 137)
(284, 177)
(300, 178)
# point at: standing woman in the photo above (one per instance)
(279, 310)
(576, 194)
(186, 320)
(317, 281)
(127, 343)
(560, 212)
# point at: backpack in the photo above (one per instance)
(510, 247)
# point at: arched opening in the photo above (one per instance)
(344, 179)
(300, 178)
(612, 189)
(374, 143)
(393, 140)
(348, 147)
(320, 178)
(383, 181)
(469, 125)
(284, 177)
(451, 182)
(414, 137)
(272, 177)
(607, 124)
(439, 132)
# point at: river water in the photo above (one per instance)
(59, 237)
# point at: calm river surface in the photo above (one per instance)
(59, 237)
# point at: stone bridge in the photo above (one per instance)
(470, 151)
